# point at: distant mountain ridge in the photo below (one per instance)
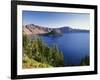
(36, 29)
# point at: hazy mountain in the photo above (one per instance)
(36, 29)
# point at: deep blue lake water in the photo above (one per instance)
(74, 46)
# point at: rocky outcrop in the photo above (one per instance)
(34, 29)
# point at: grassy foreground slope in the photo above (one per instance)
(30, 63)
(37, 54)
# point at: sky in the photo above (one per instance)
(56, 19)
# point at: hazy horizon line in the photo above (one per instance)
(73, 27)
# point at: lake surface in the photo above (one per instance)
(74, 46)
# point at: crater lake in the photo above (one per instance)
(73, 45)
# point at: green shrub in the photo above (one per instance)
(85, 61)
